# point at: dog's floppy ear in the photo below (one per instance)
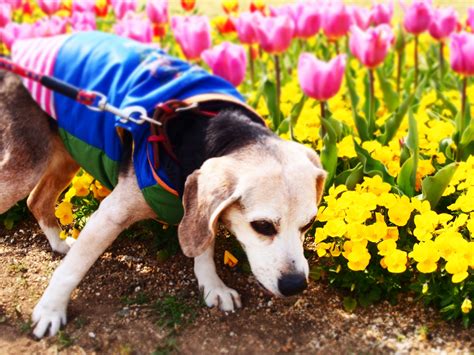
(321, 173)
(207, 193)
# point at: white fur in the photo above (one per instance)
(57, 244)
(215, 292)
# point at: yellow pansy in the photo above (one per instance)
(64, 213)
(396, 261)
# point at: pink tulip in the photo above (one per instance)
(418, 16)
(121, 7)
(336, 20)
(193, 33)
(274, 34)
(443, 23)
(381, 13)
(5, 14)
(306, 18)
(135, 27)
(13, 32)
(157, 11)
(52, 26)
(83, 5)
(321, 80)
(49, 7)
(83, 21)
(371, 47)
(15, 4)
(246, 25)
(228, 61)
(361, 16)
(470, 18)
(462, 52)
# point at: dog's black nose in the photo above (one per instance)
(291, 284)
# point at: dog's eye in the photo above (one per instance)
(308, 226)
(264, 227)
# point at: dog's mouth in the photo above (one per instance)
(266, 291)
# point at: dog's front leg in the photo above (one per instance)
(124, 206)
(215, 292)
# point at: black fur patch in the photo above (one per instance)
(196, 138)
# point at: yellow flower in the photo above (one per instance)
(400, 212)
(82, 184)
(396, 261)
(392, 233)
(70, 194)
(63, 235)
(466, 306)
(99, 190)
(386, 247)
(425, 225)
(426, 255)
(358, 256)
(75, 233)
(335, 228)
(424, 290)
(322, 249)
(457, 266)
(64, 213)
(376, 231)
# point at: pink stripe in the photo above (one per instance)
(40, 66)
(46, 69)
(49, 97)
(29, 60)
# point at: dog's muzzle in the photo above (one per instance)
(292, 284)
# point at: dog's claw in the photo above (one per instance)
(45, 318)
(223, 297)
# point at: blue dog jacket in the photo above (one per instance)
(129, 74)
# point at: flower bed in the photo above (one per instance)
(385, 103)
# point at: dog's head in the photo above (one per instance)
(267, 195)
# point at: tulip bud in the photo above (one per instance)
(83, 21)
(462, 52)
(371, 47)
(135, 27)
(188, 5)
(361, 16)
(470, 18)
(246, 25)
(193, 34)
(336, 20)
(228, 61)
(5, 14)
(157, 11)
(381, 13)
(83, 5)
(49, 7)
(443, 23)
(321, 80)
(121, 7)
(418, 16)
(274, 34)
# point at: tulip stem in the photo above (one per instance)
(336, 45)
(252, 66)
(278, 82)
(322, 105)
(463, 103)
(441, 60)
(416, 61)
(399, 69)
(371, 101)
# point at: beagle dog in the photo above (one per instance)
(231, 170)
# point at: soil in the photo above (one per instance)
(132, 303)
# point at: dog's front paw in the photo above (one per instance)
(221, 296)
(46, 316)
(63, 246)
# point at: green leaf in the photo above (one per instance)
(372, 167)
(329, 152)
(269, 93)
(390, 96)
(360, 122)
(350, 304)
(406, 179)
(433, 186)
(393, 123)
(8, 223)
(350, 177)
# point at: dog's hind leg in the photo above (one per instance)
(42, 200)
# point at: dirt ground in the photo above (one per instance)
(131, 303)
